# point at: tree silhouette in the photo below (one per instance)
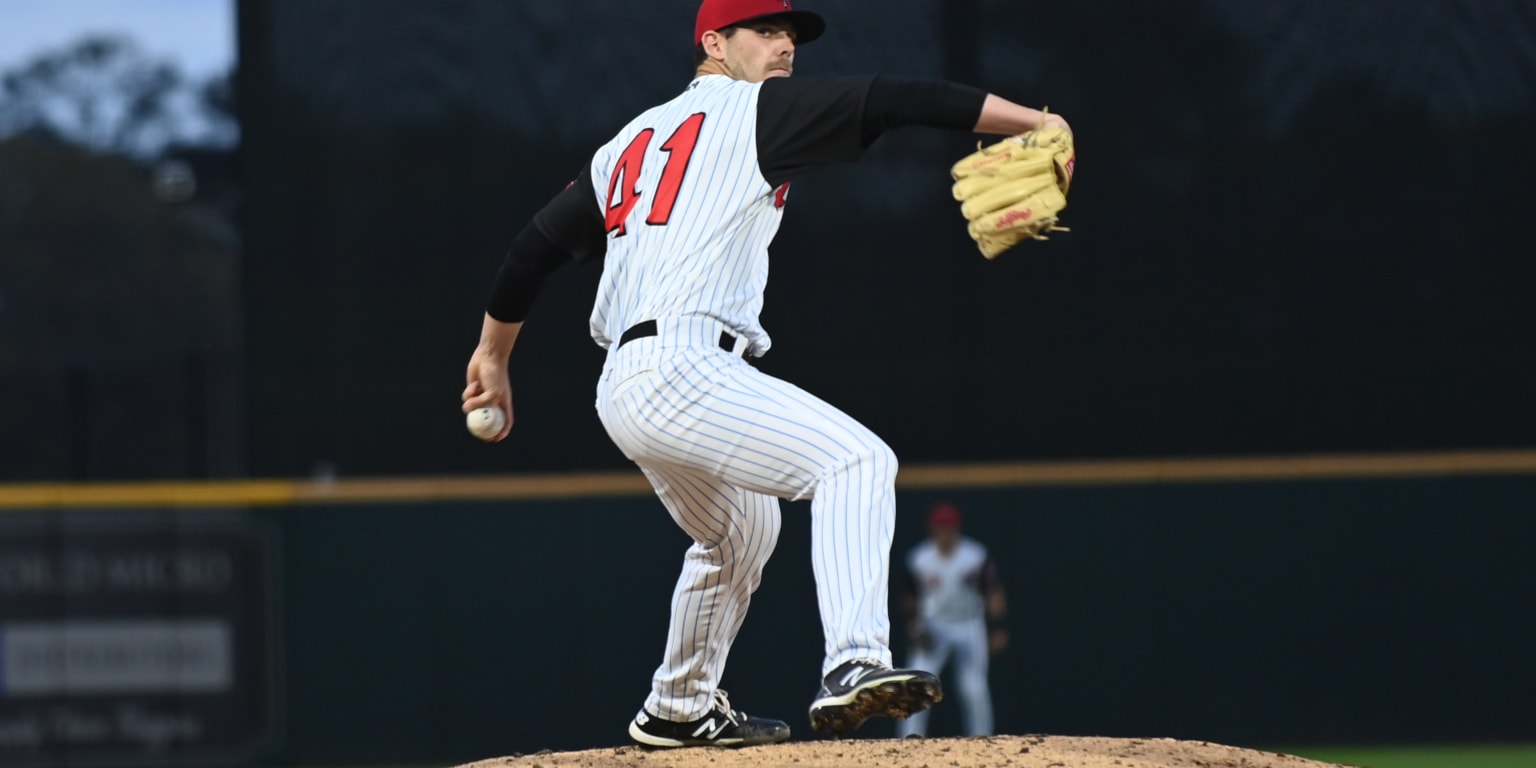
(106, 93)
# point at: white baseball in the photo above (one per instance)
(485, 423)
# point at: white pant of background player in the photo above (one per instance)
(721, 442)
(966, 641)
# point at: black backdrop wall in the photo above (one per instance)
(1296, 227)
(1273, 614)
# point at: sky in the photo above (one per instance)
(198, 35)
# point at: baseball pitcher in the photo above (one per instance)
(680, 207)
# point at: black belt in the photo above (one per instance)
(648, 328)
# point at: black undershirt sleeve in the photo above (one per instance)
(804, 122)
(989, 581)
(568, 228)
(574, 221)
(990, 585)
(900, 101)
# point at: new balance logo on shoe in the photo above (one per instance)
(855, 674)
(708, 730)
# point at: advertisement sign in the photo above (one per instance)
(134, 637)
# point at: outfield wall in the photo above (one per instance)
(1308, 600)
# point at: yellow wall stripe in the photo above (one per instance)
(253, 493)
(1247, 469)
(151, 494)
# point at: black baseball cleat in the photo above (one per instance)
(722, 726)
(859, 690)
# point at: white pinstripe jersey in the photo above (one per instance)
(688, 212)
(950, 586)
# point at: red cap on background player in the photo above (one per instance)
(944, 515)
(719, 14)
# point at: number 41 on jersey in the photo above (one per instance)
(624, 188)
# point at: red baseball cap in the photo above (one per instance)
(719, 14)
(944, 515)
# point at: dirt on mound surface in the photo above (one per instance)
(976, 752)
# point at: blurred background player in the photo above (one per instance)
(955, 606)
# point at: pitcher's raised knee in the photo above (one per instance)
(868, 469)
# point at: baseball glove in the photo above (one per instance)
(1016, 188)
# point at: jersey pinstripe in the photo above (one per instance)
(711, 256)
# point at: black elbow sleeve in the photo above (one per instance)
(532, 258)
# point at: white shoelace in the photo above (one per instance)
(722, 702)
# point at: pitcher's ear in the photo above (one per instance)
(713, 44)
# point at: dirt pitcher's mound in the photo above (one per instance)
(979, 752)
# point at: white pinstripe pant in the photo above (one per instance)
(967, 641)
(721, 442)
